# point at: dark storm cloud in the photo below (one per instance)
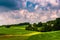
(11, 4)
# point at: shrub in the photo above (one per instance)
(39, 24)
(7, 26)
(29, 27)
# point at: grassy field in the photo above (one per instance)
(14, 30)
(15, 33)
(19, 33)
(54, 35)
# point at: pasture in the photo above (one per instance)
(19, 33)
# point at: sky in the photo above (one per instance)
(33, 11)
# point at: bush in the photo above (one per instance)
(7, 26)
(32, 27)
(29, 27)
(35, 29)
(39, 24)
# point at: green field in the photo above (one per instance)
(19, 33)
(14, 30)
(54, 35)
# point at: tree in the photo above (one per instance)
(35, 28)
(57, 24)
(39, 24)
(45, 27)
(29, 27)
(8, 26)
(58, 21)
(34, 25)
(26, 23)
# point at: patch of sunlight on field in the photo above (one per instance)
(54, 35)
(29, 34)
(33, 33)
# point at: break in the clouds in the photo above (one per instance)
(33, 11)
(11, 4)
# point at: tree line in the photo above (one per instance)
(52, 25)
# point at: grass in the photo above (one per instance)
(14, 33)
(14, 30)
(19, 33)
(54, 35)
(13, 38)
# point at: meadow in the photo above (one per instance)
(19, 33)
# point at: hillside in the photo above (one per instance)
(54, 35)
(19, 33)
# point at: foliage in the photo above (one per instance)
(7, 26)
(26, 23)
(29, 27)
(39, 24)
(48, 26)
(34, 25)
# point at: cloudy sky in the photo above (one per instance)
(33, 11)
